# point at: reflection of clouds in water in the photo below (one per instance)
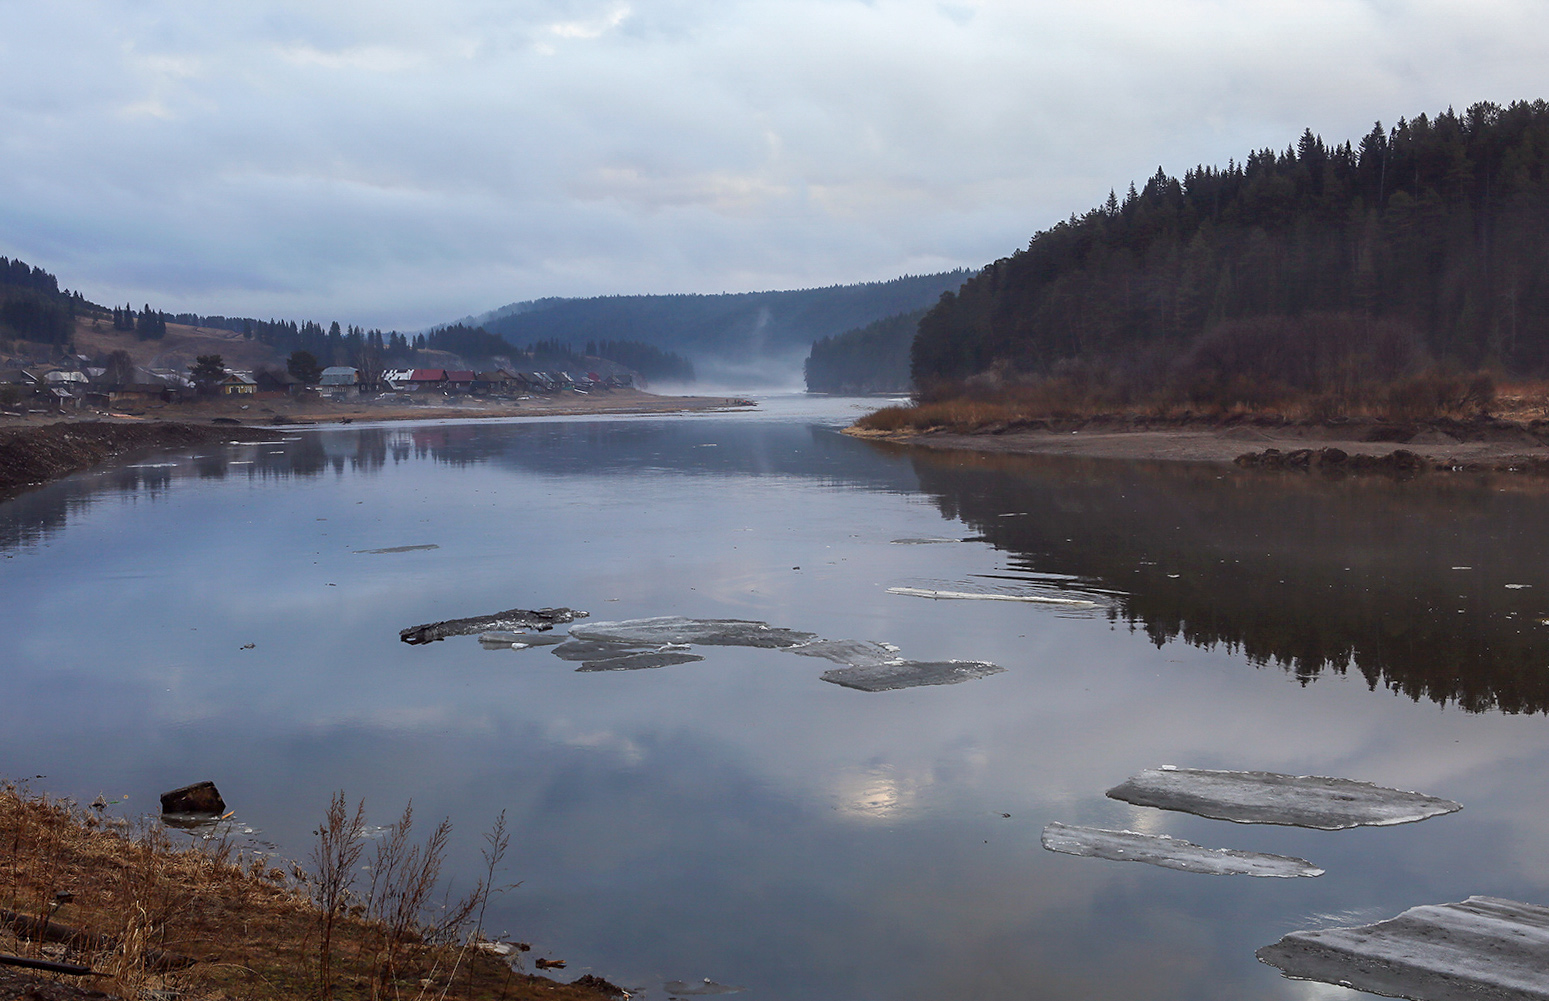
(877, 793)
(622, 748)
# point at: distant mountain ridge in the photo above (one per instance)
(760, 337)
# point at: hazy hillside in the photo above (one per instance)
(1429, 242)
(751, 337)
(869, 359)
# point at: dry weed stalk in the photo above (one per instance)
(340, 842)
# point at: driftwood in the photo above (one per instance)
(542, 619)
(48, 965)
(29, 927)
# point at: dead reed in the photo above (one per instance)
(82, 885)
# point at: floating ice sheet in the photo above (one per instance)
(1328, 804)
(678, 988)
(668, 629)
(911, 674)
(574, 649)
(1482, 947)
(394, 549)
(514, 619)
(641, 661)
(1035, 599)
(505, 639)
(850, 653)
(1171, 853)
(922, 542)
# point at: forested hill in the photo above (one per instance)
(1439, 227)
(34, 308)
(772, 328)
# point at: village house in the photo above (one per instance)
(422, 379)
(237, 384)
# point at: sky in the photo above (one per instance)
(399, 164)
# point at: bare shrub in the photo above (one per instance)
(334, 858)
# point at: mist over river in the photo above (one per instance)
(740, 818)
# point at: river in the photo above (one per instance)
(230, 614)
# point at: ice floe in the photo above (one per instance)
(1328, 804)
(678, 988)
(665, 629)
(1170, 853)
(394, 549)
(541, 619)
(574, 649)
(911, 674)
(850, 653)
(641, 661)
(1482, 947)
(1035, 599)
(505, 639)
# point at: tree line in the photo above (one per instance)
(869, 359)
(1435, 230)
(34, 308)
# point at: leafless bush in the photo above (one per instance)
(334, 858)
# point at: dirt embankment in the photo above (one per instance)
(38, 447)
(33, 455)
(1354, 445)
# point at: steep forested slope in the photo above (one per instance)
(1437, 228)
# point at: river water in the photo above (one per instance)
(741, 819)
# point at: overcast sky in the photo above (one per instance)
(399, 164)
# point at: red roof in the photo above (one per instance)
(459, 376)
(427, 375)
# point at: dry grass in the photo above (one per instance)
(250, 927)
(995, 403)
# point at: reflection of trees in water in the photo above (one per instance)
(1303, 572)
(38, 514)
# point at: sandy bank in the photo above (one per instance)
(1483, 444)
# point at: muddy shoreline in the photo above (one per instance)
(1482, 444)
(38, 448)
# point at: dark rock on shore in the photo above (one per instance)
(199, 798)
(1399, 462)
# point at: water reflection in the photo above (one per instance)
(1435, 588)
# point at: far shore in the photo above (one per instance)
(1483, 444)
(318, 410)
(39, 447)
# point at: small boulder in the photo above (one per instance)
(201, 797)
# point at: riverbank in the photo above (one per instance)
(314, 409)
(31, 456)
(1480, 444)
(36, 448)
(83, 887)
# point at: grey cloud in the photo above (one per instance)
(397, 164)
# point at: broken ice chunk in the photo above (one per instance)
(850, 653)
(574, 649)
(1170, 853)
(705, 986)
(512, 619)
(640, 661)
(910, 674)
(1036, 599)
(1482, 947)
(1328, 804)
(923, 542)
(665, 629)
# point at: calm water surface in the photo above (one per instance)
(739, 818)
